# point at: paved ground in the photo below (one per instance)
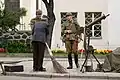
(72, 74)
(38, 78)
(48, 63)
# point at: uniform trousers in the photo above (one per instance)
(72, 47)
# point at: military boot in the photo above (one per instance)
(70, 61)
(76, 60)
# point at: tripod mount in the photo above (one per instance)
(89, 48)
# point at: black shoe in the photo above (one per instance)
(35, 70)
(42, 69)
(70, 67)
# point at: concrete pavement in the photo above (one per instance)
(39, 78)
(50, 73)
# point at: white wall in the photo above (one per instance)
(110, 38)
(114, 23)
(30, 6)
(80, 6)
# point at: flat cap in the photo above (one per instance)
(39, 12)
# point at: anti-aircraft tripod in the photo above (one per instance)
(89, 48)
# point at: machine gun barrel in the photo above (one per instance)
(97, 20)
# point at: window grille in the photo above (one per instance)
(95, 30)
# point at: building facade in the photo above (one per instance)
(103, 34)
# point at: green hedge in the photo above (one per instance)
(16, 47)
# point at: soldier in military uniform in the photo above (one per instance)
(70, 38)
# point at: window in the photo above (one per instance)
(12, 5)
(95, 30)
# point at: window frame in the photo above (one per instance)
(93, 31)
(11, 5)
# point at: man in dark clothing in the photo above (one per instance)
(39, 37)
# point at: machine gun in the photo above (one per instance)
(97, 20)
(88, 48)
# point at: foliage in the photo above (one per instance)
(97, 51)
(22, 12)
(3, 43)
(58, 51)
(10, 19)
(17, 47)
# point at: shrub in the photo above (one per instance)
(17, 47)
(10, 19)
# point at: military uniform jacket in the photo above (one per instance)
(73, 27)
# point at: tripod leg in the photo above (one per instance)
(97, 61)
(84, 61)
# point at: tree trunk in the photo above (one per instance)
(51, 15)
(51, 27)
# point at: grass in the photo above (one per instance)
(30, 55)
(65, 55)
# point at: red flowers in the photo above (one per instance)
(2, 50)
(81, 50)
